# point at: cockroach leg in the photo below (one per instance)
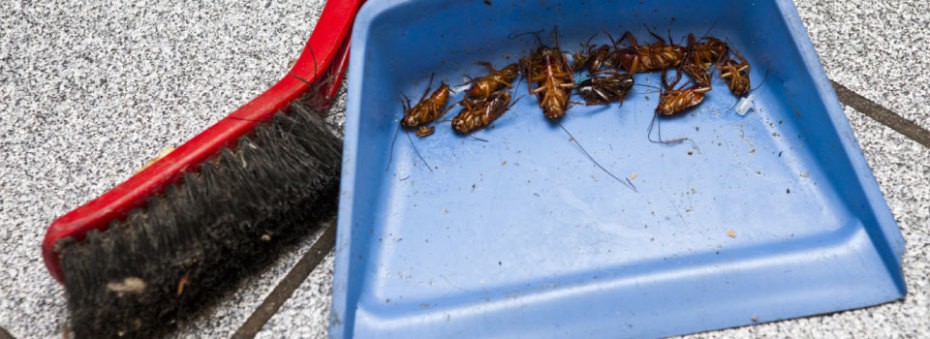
(426, 91)
(425, 131)
(629, 36)
(487, 65)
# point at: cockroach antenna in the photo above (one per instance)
(764, 78)
(670, 41)
(653, 33)
(658, 124)
(588, 42)
(611, 37)
(428, 86)
(514, 36)
(627, 182)
(657, 89)
(315, 69)
(393, 141)
(316, 101)
(312, 86)
(555, 33)
(712, 26)
(655, 122)
(477, 138)
(417, 151)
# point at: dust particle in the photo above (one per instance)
(133, 285)
(633, 176)
(160, 155)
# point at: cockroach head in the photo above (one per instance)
(411, 121)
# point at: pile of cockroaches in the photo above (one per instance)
(610, 68)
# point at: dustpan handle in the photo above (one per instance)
(327, 43)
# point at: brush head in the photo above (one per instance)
(188, 246)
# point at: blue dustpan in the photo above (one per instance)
(766, 216)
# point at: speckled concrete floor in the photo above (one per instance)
(90, 91)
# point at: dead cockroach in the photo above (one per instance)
(701, 56)
(736, 74)
(554, 83)
(484, 86)
(480, 113)
(674, 101)
(605, 87)
(647, 58)
(593, 57)
(550, 71)
(427, 109)
(552, 74)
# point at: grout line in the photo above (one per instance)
(286, 287)
(5, 335)
(881, 114)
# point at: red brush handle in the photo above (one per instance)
(327, 43)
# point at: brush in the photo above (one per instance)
(153, 251)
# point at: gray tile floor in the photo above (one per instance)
(89, 92)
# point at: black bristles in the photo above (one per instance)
(188, 246)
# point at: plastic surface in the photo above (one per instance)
(324, 55)
(768, 216)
